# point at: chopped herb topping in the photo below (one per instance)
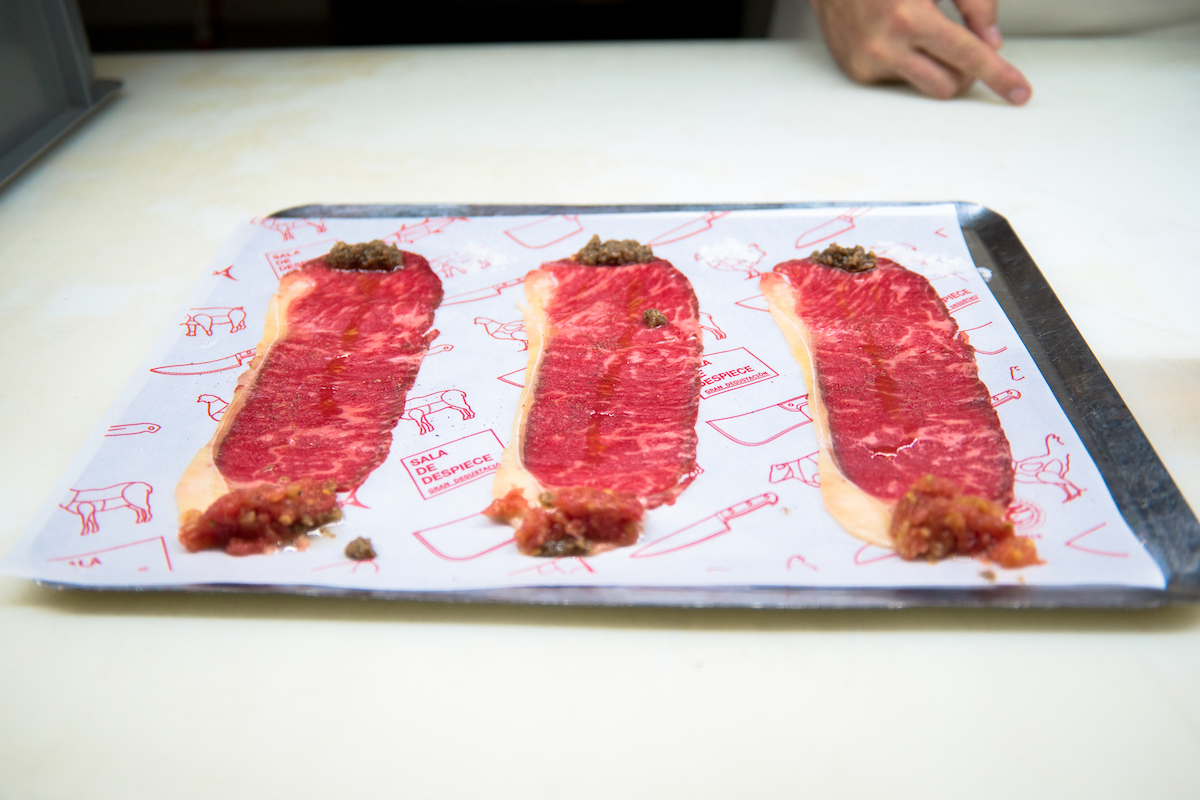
(360, 550)
(613, 253)
(654, 318)
(845, 258)
(374, 255)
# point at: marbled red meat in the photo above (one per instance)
(616, 400)
(329, 393)
(898, 383)
(607, 422)
(316, 409)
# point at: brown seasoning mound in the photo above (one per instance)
(360, 550)
(654, 318)
(613, 253)
(375, 255)
(845, 258)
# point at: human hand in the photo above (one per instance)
(874, 41)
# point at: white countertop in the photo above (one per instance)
(128, 695)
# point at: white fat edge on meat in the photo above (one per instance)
(863, 516)
(202, 483)
(512, 474)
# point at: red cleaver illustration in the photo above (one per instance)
(546, 231)
(707, 528)
(698, 225)
(764, 425)
(835, 227)
(465, 542)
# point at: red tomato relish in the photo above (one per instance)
(935, 520)
(261, 518)
(573, 521)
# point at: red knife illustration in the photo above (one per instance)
(133, 428)
(707, 528)
(698, 225)
(205, 367)
(834, 227)
(481, 294)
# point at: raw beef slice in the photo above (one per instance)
(912, 454)
(313, 414)
(606, 426)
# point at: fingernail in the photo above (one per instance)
(993, 36)
(1018, 96)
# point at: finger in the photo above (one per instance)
(933, 78)
(957, 47)
(980, 16)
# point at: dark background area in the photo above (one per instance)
(141, 25)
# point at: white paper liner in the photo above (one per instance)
(754, 517)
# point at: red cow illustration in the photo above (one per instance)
(203, 319)
(216, 406)
(505, 330)
(712, 327)
(418, 409)
(1049, 467)
(803, 469)
(86, 503)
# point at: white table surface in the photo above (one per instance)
(127, 695)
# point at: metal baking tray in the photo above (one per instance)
(1144, 492)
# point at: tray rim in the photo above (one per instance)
(1141, 487)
